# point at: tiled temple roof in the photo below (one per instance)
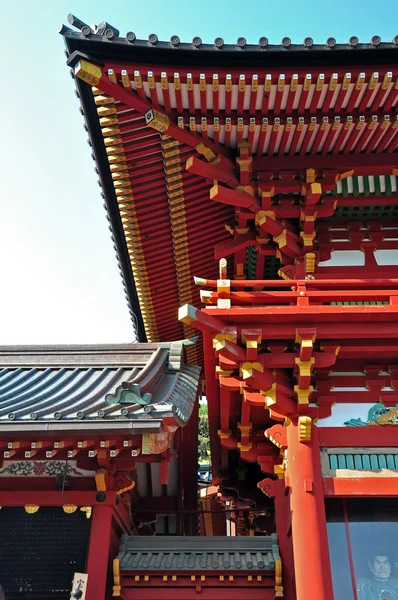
(102, 383)
(298, 101)
(195, 554)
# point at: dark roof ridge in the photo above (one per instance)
(105, 32)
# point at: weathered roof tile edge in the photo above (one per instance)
(106, 32)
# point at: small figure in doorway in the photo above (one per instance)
(380, 586)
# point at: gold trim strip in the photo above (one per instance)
(128, 215)
(175, 193)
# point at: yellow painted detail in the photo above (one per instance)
(333, 82)
(151, 81)
(247, 368)
(320, 82)
(220, 338)
(305, 366)
(307, 83)
(281, 83)
(360, 81)
(303, 395)
(242, 84)
(373, 81)
(177, 81)
(103, 100)
(125, 198)
(207, 152)
(278, 572)
(110, 131)
(304, 428)
(386, 80)
(157, 120)
(112, 76)
(224, 435)
(341, 176)
(100, 480)
(31, 509)
(69, 508)
(308, 238)
(228, 83)
(113, 141)
(88, 72)
(310, 262)
(88, 510)
(104, 111)
(108, 122)
(346, 82)
(175, 192)
(126, 79)
(117, 589)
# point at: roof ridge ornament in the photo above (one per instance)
(128, 393)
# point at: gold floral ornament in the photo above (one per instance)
(88, 510)
(31, 509)
(69, 508)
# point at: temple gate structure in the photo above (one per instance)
(251, 192)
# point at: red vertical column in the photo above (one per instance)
(283, 525)
(309, 535)
(98, 552)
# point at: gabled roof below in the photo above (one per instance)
(199, 553)
(130, 382)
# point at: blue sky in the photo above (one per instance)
(60, 282)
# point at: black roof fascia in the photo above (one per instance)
(162, 53)
(108, 190)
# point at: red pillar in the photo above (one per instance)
(309, 535)
(283, 526)
(98, 552)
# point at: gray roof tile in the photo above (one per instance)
(199, 553)
(132, 381)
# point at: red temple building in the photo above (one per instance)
(252, 196)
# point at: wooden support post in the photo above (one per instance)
(98, 552)
(309, 535)
(283, 527)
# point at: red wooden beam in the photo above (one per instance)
(366, 437)
(55, 498)
(289, 297)
(219, 590)
(367, 164)
(213, 171)
(361, 486)
(234, 198)
(343, 284)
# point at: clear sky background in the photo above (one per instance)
(59, 277)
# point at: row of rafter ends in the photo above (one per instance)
(146, 315)
(178, 222)
(139, 274)
(106, 32)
